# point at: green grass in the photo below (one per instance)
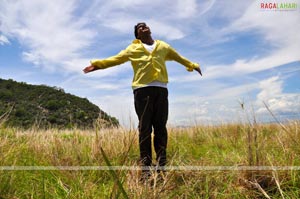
(224, 145)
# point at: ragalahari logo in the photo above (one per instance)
(283, 6)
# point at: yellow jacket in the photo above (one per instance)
(147, 67)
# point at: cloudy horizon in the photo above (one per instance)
(249, 56)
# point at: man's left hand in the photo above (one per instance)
(198, 70)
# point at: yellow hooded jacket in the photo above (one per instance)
(147, 67)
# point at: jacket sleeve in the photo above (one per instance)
(173, 55)
(120, 58)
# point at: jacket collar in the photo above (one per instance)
(137, 41)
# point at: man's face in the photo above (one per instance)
(143, 30)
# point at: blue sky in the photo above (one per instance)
(247, 54)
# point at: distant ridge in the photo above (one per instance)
(24, 105)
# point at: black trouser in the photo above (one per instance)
(151, 106)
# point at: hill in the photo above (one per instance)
(24, 105)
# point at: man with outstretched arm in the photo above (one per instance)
(148, 57)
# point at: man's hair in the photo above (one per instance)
(136, 28)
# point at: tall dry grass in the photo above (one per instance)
(200, 146)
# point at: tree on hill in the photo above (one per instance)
(26, 105)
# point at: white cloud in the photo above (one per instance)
(168, 19)
(164, 30)
(211, 102)
(270, 88)
(47, 30)
(186, 9)
(120, 106)
(221, 101)
(53, 35)
(284, 103)
(243, 67)
(3, 40)
(277, 30)
(277, 101)
(32, 57)
(205, 6)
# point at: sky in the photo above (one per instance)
(249, 54)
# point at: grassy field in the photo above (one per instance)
(202, 152)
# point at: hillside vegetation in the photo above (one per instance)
(71, 163)
(23, 105)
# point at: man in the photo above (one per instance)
(148, 57)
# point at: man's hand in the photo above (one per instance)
(198, 70)
(89, 69)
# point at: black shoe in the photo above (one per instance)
(145, 174)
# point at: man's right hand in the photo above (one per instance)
(89, 69)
